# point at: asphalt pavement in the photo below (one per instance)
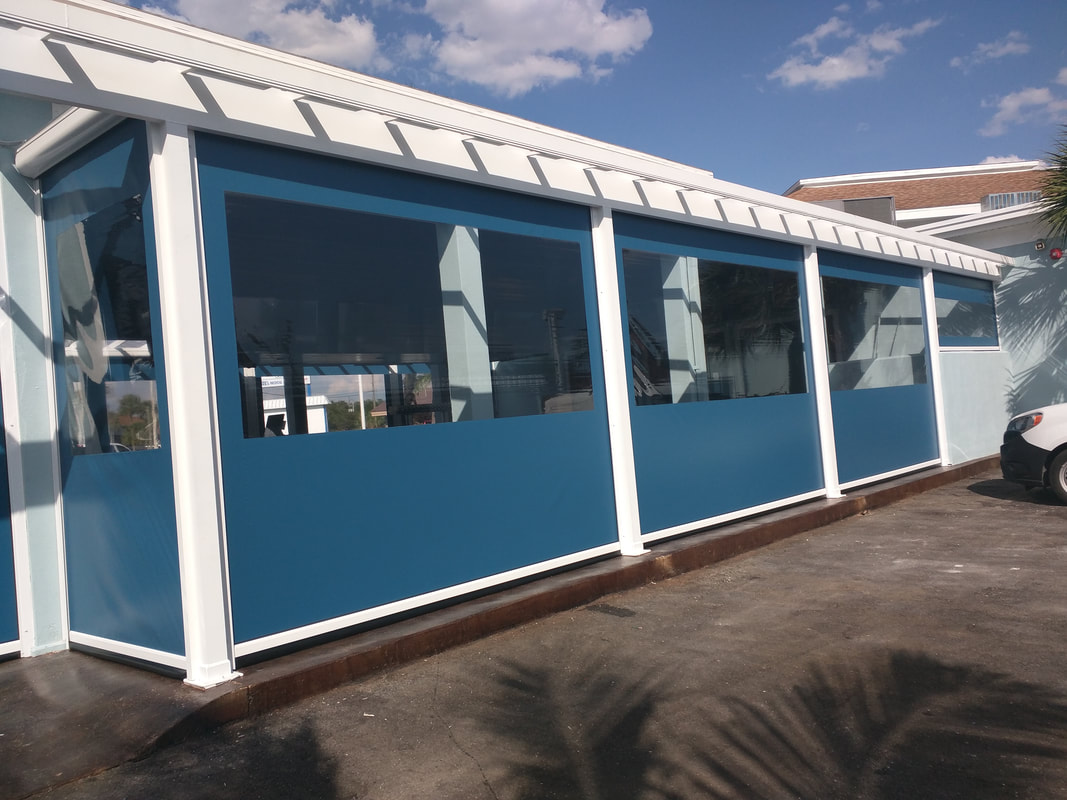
(913, 651)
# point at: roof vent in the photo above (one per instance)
(994, 202)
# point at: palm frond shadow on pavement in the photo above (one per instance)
(582, 731)
(881, 726)
(895, 725)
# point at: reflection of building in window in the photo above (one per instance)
(874, 332)
(395, 322)
(708, 330)
(100, 261)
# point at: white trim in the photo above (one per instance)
(933, 355)
(617, 382)
(65, 135)
(690, 527)
(7, 648)
(146, 654)
(977, 349)
(412, 603)
(216, 83)
(193, 441)
(934, 212)
(820, 368)
(892, 474)
(918, 174)
(984, 220)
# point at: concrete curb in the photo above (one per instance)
(297, 676)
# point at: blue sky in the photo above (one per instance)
(761, 93)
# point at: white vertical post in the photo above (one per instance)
(685, 328)
(821, 371)
(466, 340)
(194, 442)
(933, 348)
(617, 382)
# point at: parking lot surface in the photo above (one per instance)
(914, 651)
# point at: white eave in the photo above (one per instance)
(998, 168)
(985, 221)
(109, 58)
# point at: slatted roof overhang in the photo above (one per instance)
(113, 60)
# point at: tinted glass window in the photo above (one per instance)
(966, 313)
(874, 334)
(711, 330)
(95, 229)
(347, 320)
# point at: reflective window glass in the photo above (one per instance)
(874, 334)
(95, 231)
(347, 320)
(966, 313)
(710, 330)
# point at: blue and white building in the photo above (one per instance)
(532, 349)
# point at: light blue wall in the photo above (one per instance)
(974, 385)
(1033, 323)
(36, 490)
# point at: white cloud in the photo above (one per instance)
(865, 55)
(1014, 44)
(1027, 105)
(1062, 77)
(873, 5)
(513, 46)
(508, 46)
(314, 30)
(1000, 159)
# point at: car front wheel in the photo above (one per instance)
(1057, 476)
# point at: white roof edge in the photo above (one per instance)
(997, 168)
(161, 37)
(939, 211)
(130, 33)
(985, 219)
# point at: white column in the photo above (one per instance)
(470, 382)
(617, 382)
(821, 371)
(685, 328)
(27, 380)
(193, 433)
(933, 348)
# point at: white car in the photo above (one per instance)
(1034, 452)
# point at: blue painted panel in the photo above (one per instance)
(119, 519)
(642, 233)
(880, 430)
(320, 526)
(858, 268)
(9, 624)
(699, 460)
(122, 549)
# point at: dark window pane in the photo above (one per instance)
(648, 327)
(535, 313)
(347, 320)
(966, 314)
(708, 330)
(752, 331)
(874, 334)
(94, 225)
